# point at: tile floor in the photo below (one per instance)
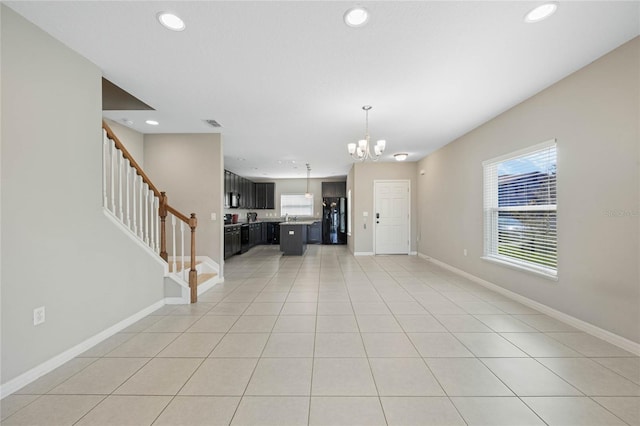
(331, 339)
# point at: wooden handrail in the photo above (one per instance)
(128, 156)
(163, 209)
(177, 214)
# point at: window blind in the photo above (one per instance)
(520, 208)
(296, 205)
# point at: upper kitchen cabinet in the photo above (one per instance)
(265, 195)
(334, 189)
(252, 195)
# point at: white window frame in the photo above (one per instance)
(304, 202)
(492, 212)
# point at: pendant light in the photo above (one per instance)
(308, 194)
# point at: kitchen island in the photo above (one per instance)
(293, 237)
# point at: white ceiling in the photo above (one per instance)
(287, 79)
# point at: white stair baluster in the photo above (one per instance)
(156, 212)
(113, 176)
(120, 171)
(152, 227)
(182, 248)
(134, 227)
(146, 214)
(173, 239)
(105, 145)
(140, 208)
(127, 172)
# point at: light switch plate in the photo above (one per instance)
(38, 315)
(365, 214)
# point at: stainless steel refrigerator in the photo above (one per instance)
(334, 220)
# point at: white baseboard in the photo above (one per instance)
(363, 253)
(589, 328)
(413, 253)
(24, 379)
(175, 301)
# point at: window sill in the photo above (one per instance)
(518, 267)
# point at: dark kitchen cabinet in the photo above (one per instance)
(227, 188)
(252, 195)
(255, 232)
(271, 195)
(245, 193)
(293, 239)
(227, 242)
(334, 189)
(265, 193)
(314, 233)
(242, 192)
(231, 240)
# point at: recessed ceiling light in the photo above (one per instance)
(356, 17)
(541, 12)
(127, 122)
(152, 122)
(401, 156)
(171, 21)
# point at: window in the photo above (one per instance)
(296, 205)
(520, 205)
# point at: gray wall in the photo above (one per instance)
(364, 175)
(188, 167)
(59, 250)
(594, 114)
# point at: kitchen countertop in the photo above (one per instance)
(299, 222)
(277, 220)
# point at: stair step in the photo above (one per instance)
(180, 265)
(205, 277)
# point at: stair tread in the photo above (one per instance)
(205, 277)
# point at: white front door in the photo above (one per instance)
(391, 217)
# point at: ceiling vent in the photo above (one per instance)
(213, 123)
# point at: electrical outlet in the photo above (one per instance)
(214, 216)
(464, 252)
(38, 315)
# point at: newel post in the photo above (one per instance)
(162, 212)
(193, 274)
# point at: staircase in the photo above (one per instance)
(177, 290)
(140, 209)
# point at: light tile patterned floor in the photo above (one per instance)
(332, 339)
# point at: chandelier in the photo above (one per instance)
(362, 151)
